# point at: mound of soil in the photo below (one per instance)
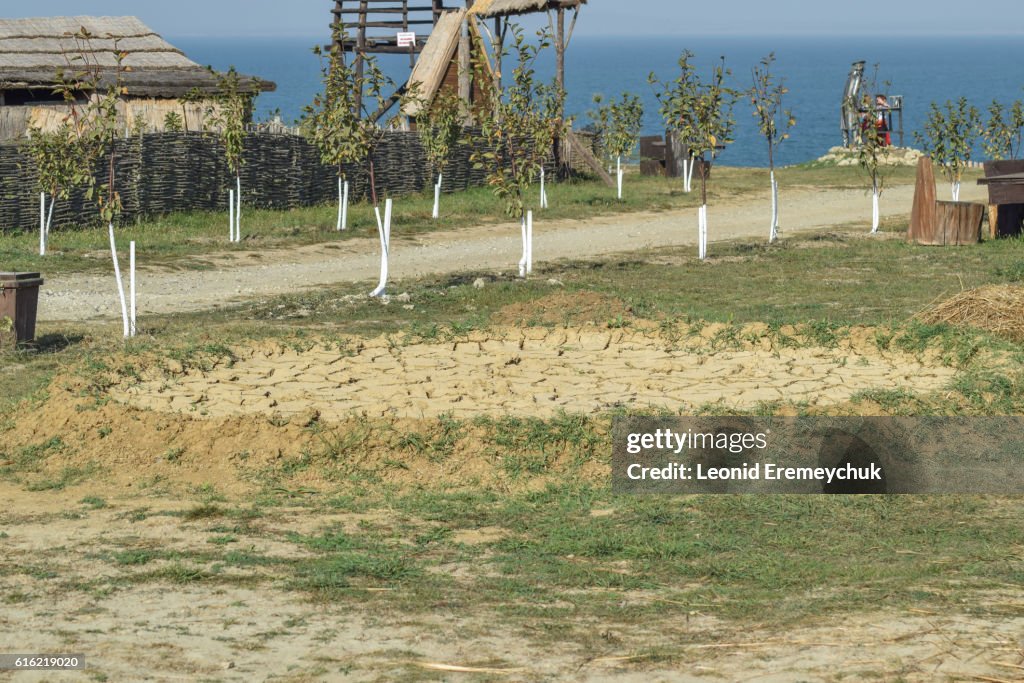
(564, 308)
(998, 309)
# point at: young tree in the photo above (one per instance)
(949, 136)
(712, 127)
(336, 125)
(619, 123)
(872, 157)
(232, 111)
(766, 97)
(676, 104)
(55, 158)
(62, 155)
(439, 124)
(1003, 131)
(519, 134)
(93, 133)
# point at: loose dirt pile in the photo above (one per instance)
(534, 371)
(998, 309)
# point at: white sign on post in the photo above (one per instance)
(407, 39)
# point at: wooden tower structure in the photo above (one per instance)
(441, 55)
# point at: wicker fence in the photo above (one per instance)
(160, 173)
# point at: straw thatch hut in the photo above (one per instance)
(161, 80)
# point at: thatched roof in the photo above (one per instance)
(504, 8)
(32, 51)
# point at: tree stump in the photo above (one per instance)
(958, 223)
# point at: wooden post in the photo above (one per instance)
(464, 65)
(993, 221)
(405, 27)
(499, 36)
(560, 56)
(360, 52)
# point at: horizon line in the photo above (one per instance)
(686, 36)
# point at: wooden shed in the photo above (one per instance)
(161, 79)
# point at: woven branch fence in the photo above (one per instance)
(161, 173)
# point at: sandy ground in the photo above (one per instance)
(534, 371)
(244, 275)
(145, 631)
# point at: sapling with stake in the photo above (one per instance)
(60, 154)
(950, 133)
(518, 135)
(337, 127)
(233, 110)
(676, 105)
(97, 129)
(702, 113)
(873, 149)
(766, 97)
(439, 124)
(619, 124)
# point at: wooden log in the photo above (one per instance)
(993, 221)
(922, 214)
(958, 223)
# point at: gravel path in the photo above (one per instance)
(243, 275)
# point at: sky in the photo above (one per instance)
(310, 18)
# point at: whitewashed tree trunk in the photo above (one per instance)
(543, 190)
(529, 242)
(384, 229)
(956, 190)
(522, 260)
(875, 212)
(342, 204)
(437, 196)
(618, 174)
(42, 224)
(702, 232)
(773, 233)
(132, 330)
(49, 218)
(686, 175)
(120, 282)
(238, 210)
(231, 215)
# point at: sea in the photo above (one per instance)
(923, 69)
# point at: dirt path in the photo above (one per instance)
(88, 581)
(252, 274)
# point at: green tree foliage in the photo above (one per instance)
(618, 124)
(1003, 131)
(950, 132)
(439, 125)
(56, 160)
(524, 123)
(232, 110)
(677, 100)
(337, 121)
(712, 120)
(766, 97)
(173, 122)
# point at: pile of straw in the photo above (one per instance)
(998, 309)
